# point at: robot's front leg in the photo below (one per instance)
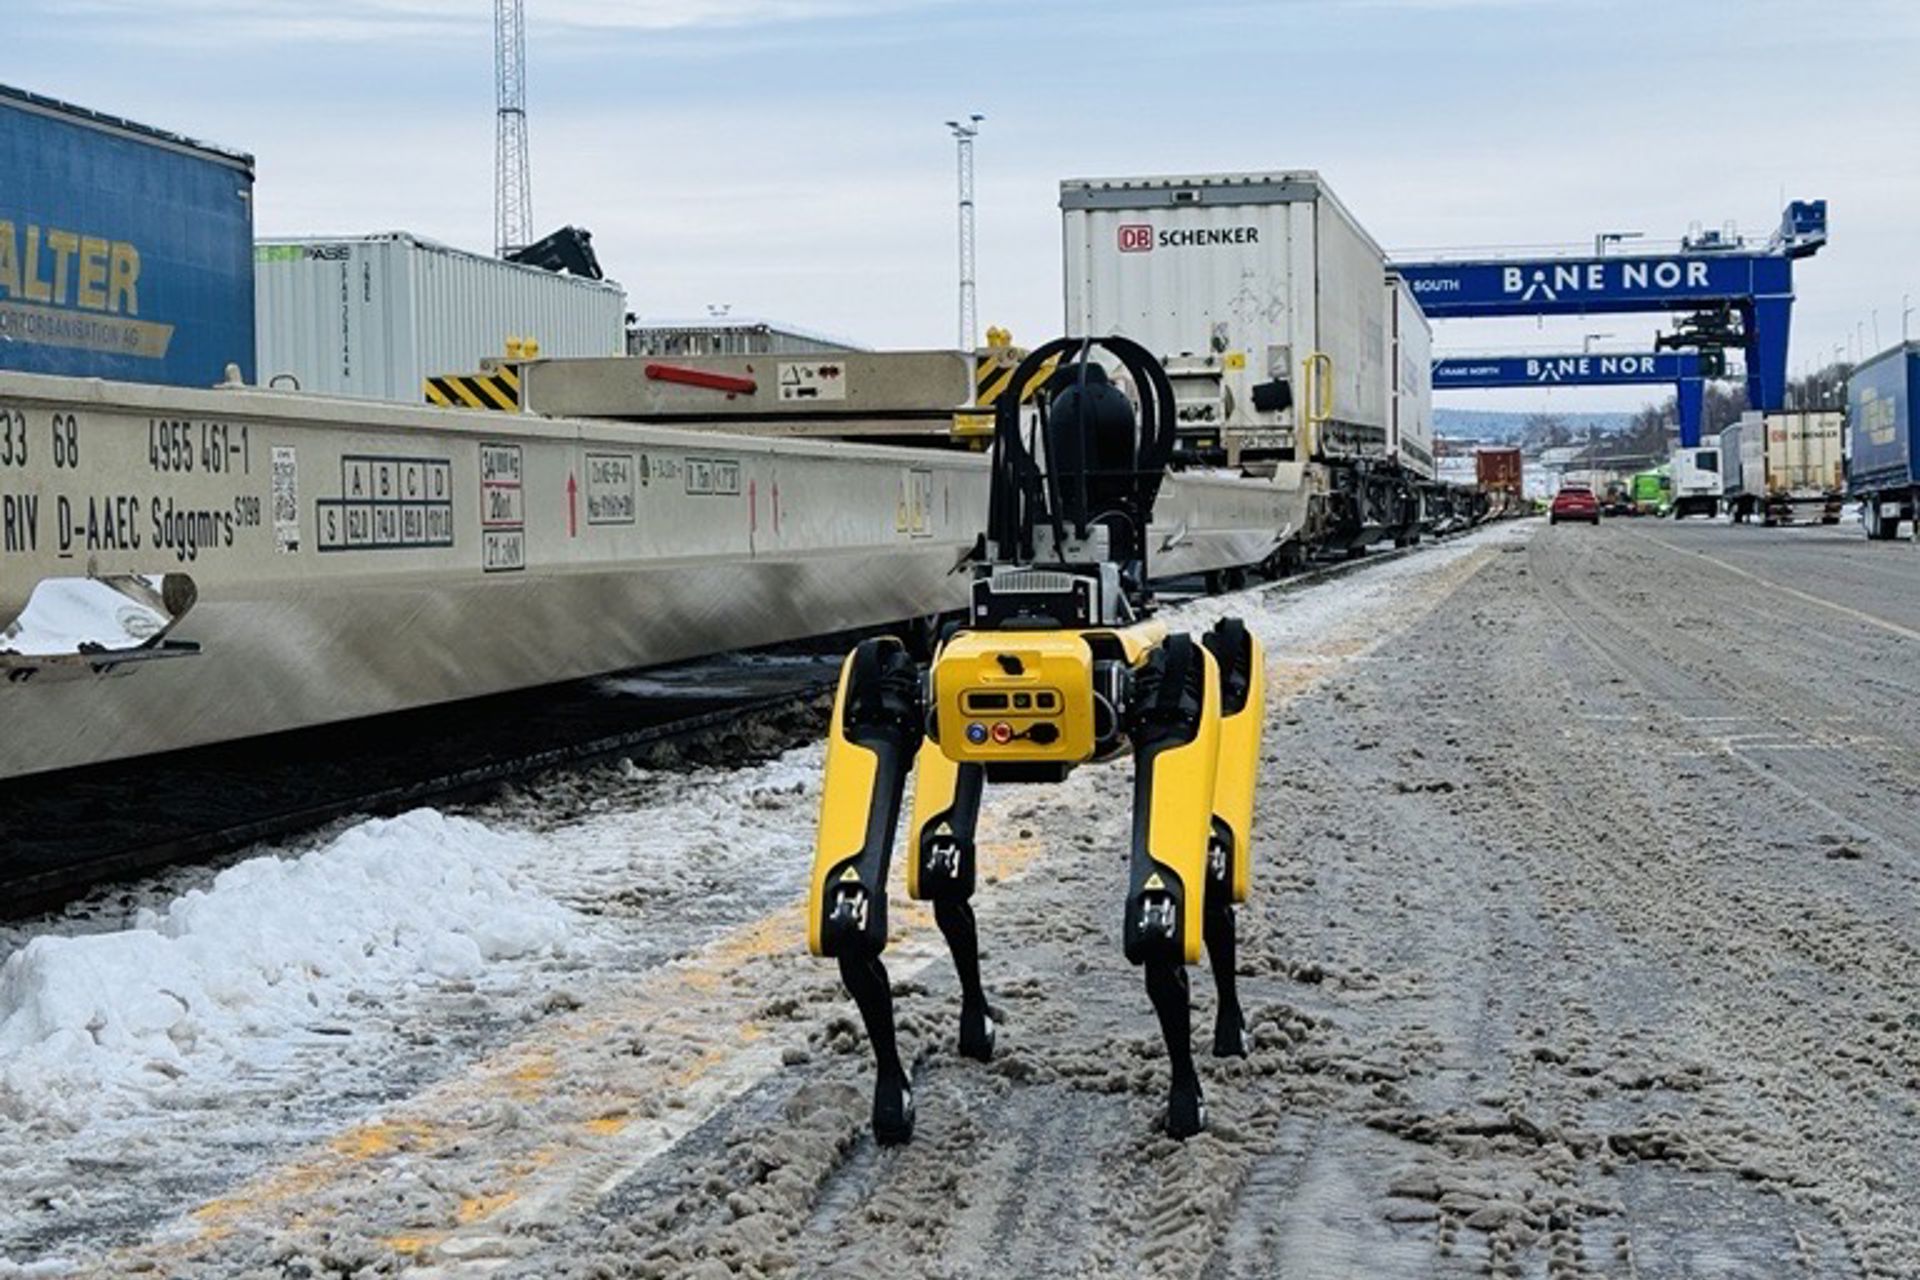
(1175, 724)
(870, 746)
(946, 810)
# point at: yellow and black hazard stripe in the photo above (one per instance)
(993, 373)
(499, 390)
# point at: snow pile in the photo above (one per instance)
(273, 947)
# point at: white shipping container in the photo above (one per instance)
(1410, 431)
(1804, 453)
(375, 316)
(1236, 280)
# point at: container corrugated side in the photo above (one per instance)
(1351, 329)
(1803, 451)
(376, 316)
(1737, 441)
(1410, 369)
(125, 252)
(1883, 421)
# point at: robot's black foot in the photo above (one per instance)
(892, 1111)
(976, 1034)
(1186, 1111)
(1231, 1039)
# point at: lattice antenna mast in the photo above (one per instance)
(513, 185)
(964, 134)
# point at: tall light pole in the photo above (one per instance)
(1605, 238)
(1586, 341)
(963, 135)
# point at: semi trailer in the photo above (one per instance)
(1883, 436)
(126, 252)
(1776, 467)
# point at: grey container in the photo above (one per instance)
(375, 316)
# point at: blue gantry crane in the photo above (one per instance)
(1686, 371)
(1740, 294)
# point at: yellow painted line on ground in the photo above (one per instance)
(1872, 620)
(588, 1121)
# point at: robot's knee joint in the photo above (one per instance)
(851, 927)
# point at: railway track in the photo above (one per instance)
(64, 834)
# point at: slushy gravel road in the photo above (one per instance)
(1582, 945)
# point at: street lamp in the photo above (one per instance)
(1586, 341)
(1605, 238)
(963, 136)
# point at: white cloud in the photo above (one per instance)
(203, 22)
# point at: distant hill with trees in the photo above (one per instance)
(1495, 424)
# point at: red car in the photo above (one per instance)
(1574, 503)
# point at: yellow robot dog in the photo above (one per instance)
(1059, 663)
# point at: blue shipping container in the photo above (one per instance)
(1883, 422)
(125, 252)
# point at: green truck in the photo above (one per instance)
(1649, 490)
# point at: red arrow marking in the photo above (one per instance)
(573, 513)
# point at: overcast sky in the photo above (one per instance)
(787, 157)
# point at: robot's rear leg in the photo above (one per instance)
(955, 916)
(946, 810)
(1231, 1038)
(1242, 668)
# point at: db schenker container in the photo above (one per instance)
(125, 251)
(1263, 296)
(1775, 464)
(376, 316)
(1883, 435)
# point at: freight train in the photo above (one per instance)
(183, 562)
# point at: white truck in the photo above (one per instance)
(1272, 312)
(1695, 479)
(1782, 465)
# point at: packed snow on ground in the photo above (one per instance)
(207, 985)
(146, 1067)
